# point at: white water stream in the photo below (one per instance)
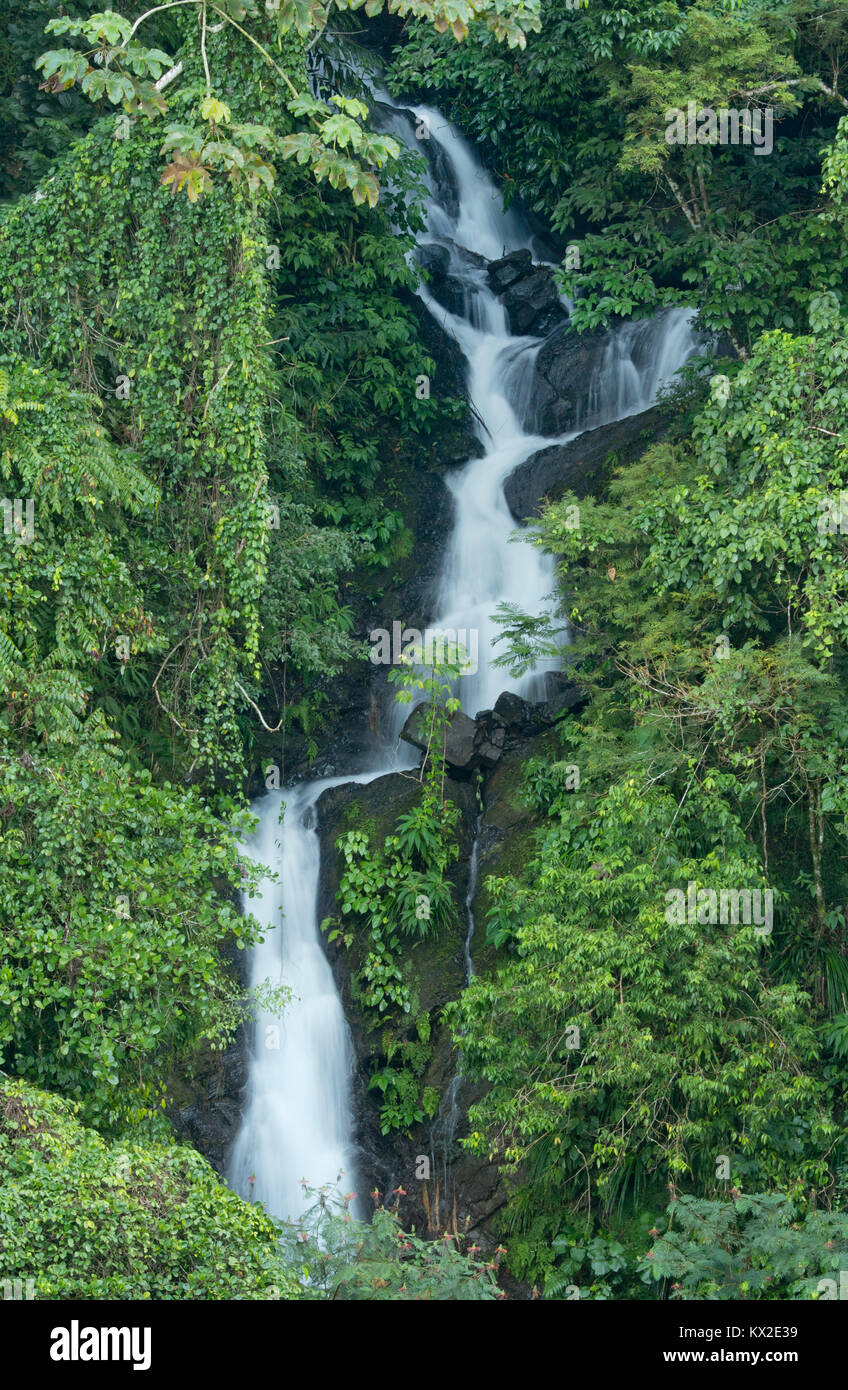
(297, 1121)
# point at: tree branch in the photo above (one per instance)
(681, 203)
(797, 82)
(168, 77)
(254, 706)
(265, 54)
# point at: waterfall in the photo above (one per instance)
(297, 1122)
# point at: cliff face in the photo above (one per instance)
(436, 970)
(444, 1185)
(376, 597)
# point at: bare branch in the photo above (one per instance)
(254, 706)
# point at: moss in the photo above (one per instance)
(507, 834)
(353, 819)
(434, 969)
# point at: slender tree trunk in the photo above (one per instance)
(681, 202)
(816, 825)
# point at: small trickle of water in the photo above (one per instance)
(473, 872)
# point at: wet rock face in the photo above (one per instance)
(442, 174)
(528, 293)
(436, 968)
(206, 1106)
(447, 270)
(566, 363)
(582, 465)
(435, 261)
(469, 743)
(456, 443)
(205, 1100)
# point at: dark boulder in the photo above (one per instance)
(528, 293)
(490, 738)
(518, 717)
(509, 269)
(450, 274)
(566, 363)
(522, 720)
(469, 743)
(460, 736)
(512, 709)
(582, 464)
(479, 744)
(533, 305)
(470, 260)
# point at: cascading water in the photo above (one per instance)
(297, 1122)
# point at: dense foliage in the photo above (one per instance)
(576, 125)
(143, 1218)
(136, 1218)
(208, 367)
(705, 594)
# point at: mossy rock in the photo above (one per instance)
(436, 965)
(507, 834)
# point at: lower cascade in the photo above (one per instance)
(297, 1120)
(297, 1126)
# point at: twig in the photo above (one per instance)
(221, 379)
(206, 71)
(156, 8)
